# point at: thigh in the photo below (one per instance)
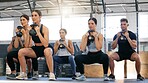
(85, 59)
(134, 56)
(13, 54)
(58, 59)
(27, 52)
(115, 56)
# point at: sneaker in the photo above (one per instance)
(29, 75)
(106, 78)
(35, 76)
(74, 77)
(11, 76)
(22, 76)
(112, 77)
(52, 77)
(140, 78)
(81, 78)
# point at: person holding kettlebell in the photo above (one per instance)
(93, 41)
(41, 48)
(64, 52)
(19, 41)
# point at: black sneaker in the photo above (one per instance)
(11, 76)
(140, 78)
(29, 75)
(74, 77)
(112, 77)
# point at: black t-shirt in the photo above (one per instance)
(123, 44)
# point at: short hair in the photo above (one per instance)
(124, 20)
(64, 30)
(38, 11)
(94, 19)
(25, 16)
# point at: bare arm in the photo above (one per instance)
(115, 42)
(44, 40)
(16, 42)
(84, 42)
(9, 48)
(99, 41)
(26, 38)
(56, 45)
(70, 47)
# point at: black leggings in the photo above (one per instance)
(90, 58)
(11, 63)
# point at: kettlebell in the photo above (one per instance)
(61, 46)
(32, 32)
(19, 33)
(90, 37)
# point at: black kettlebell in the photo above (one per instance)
(32, 32)
(61, 46)
(19, 33)
(122, 36)
(90, 37)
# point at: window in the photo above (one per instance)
(75, 26)
(113, 25)
(6, 32)
(143, 26)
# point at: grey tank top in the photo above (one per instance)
(63, 52)
(92, 47)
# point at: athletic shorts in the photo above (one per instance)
(125, 55)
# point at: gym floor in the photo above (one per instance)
(69, 80)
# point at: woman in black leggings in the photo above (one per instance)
(92, 40)
(41, 48)
(16, 44)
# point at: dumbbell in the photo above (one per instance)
(32, 32)
(90, 37)
(61, 46)
(19, 33)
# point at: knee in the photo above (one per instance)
(77, 58)
(47, 52)
(106, 57)
(21, 53)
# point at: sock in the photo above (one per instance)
(105, 75)
(35, 72)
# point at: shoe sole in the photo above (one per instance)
(52, 79)
(35, 78)
(10, 78)
(80, 80)
(21, 78)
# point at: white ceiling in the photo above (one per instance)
(13, 8)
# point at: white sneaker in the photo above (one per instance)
(81, 78)
(52, 77)
(22, 76)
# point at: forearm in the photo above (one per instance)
(83, 44)
(56, 49)
(98, 44)
(43, 40)
(16, 43)
(26, 40)
(9, 48)
(70, 50)
(132, 44)
(114, 44)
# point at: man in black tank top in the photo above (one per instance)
(126, 41)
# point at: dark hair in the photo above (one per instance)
(38, 11)
(94, 19)
(124, 20)
(25, 16)
(64, 30)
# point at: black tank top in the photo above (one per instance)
(36, 39)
